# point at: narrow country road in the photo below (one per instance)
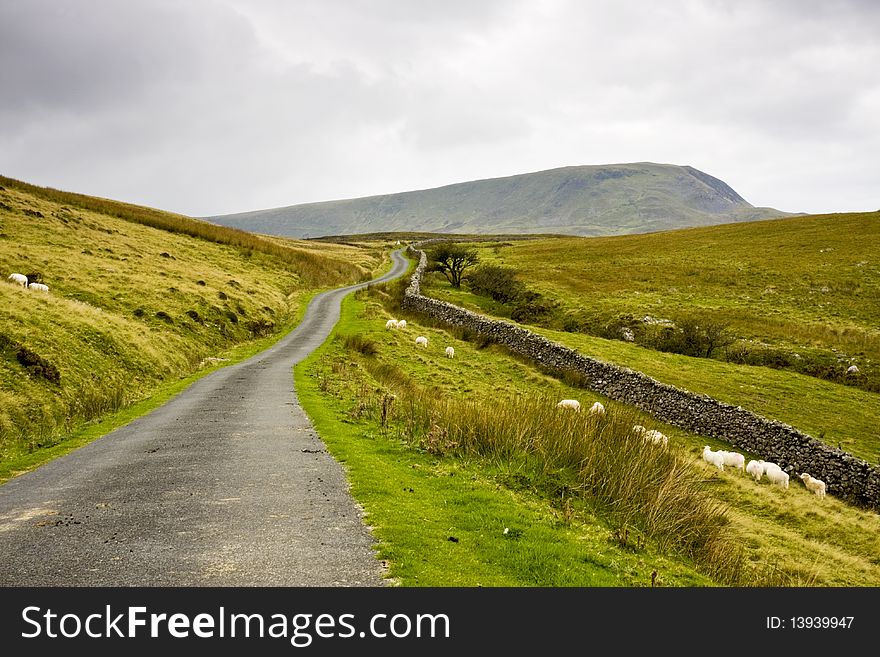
(225, 485)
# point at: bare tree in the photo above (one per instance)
(452, 259)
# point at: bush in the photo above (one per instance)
(531, 307)
(498, 283)
(699, 338)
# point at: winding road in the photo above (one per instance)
(227, 484)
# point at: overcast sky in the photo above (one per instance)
(216, 106)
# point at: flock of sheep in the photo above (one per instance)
(21, 279)
(421, 341)
(720, 458)
(758, 469)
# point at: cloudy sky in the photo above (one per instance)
(216, 106)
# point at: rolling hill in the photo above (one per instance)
(138, 299)
(613, 199)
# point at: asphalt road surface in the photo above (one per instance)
(225, 485)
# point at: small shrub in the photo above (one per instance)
(231, 316)
(165, 317)
(202, 283)
(194, 315)
(139, 312)
(498, 283)
(531, 307)
(222, 296)
(360, 344)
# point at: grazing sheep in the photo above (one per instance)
(813, 484)
(715, 458)
(391, 324)
(639, 430)
(768, 466)
(39, 287)
(852, 369)
(573, 404)
(21, 279)
(401, 324)
(735, 459)
(656, 437)
(777, 476)
(756, 469)
(450, 352)
(422, 341)
(597, 409)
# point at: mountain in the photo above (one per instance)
(611, 199)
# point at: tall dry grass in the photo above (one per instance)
(646, 492)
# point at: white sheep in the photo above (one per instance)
(735, 459)
(391, 324)
(639, 430)
(597, 409)
(715, 458)
(656, 437)
(450, 352)
(756, 469)
(573, 404)
(20, 279)
(39, 287)
(777, 476)
(768, 466)
(813, 484)
(401, 324)
(422, 341)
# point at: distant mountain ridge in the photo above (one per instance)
(612, 199)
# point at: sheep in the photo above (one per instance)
(401, 323)
(735, 459)
(813, 484)
(422, 341)
(656, 437)
(768, 466)
(391, 324)
(639, 430)
(450, 352)
(20, 279)
(39, 287)
(756, 469)
(573, 404)
(777, 476)
(715, 458)
(597, 409)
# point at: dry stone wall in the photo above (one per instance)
(845, 475)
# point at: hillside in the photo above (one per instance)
(583, 200)
(137, 298)
(798, 299)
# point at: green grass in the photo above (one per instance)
(727, 272)
(131, 309)
(788, 538)
(416, 502)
